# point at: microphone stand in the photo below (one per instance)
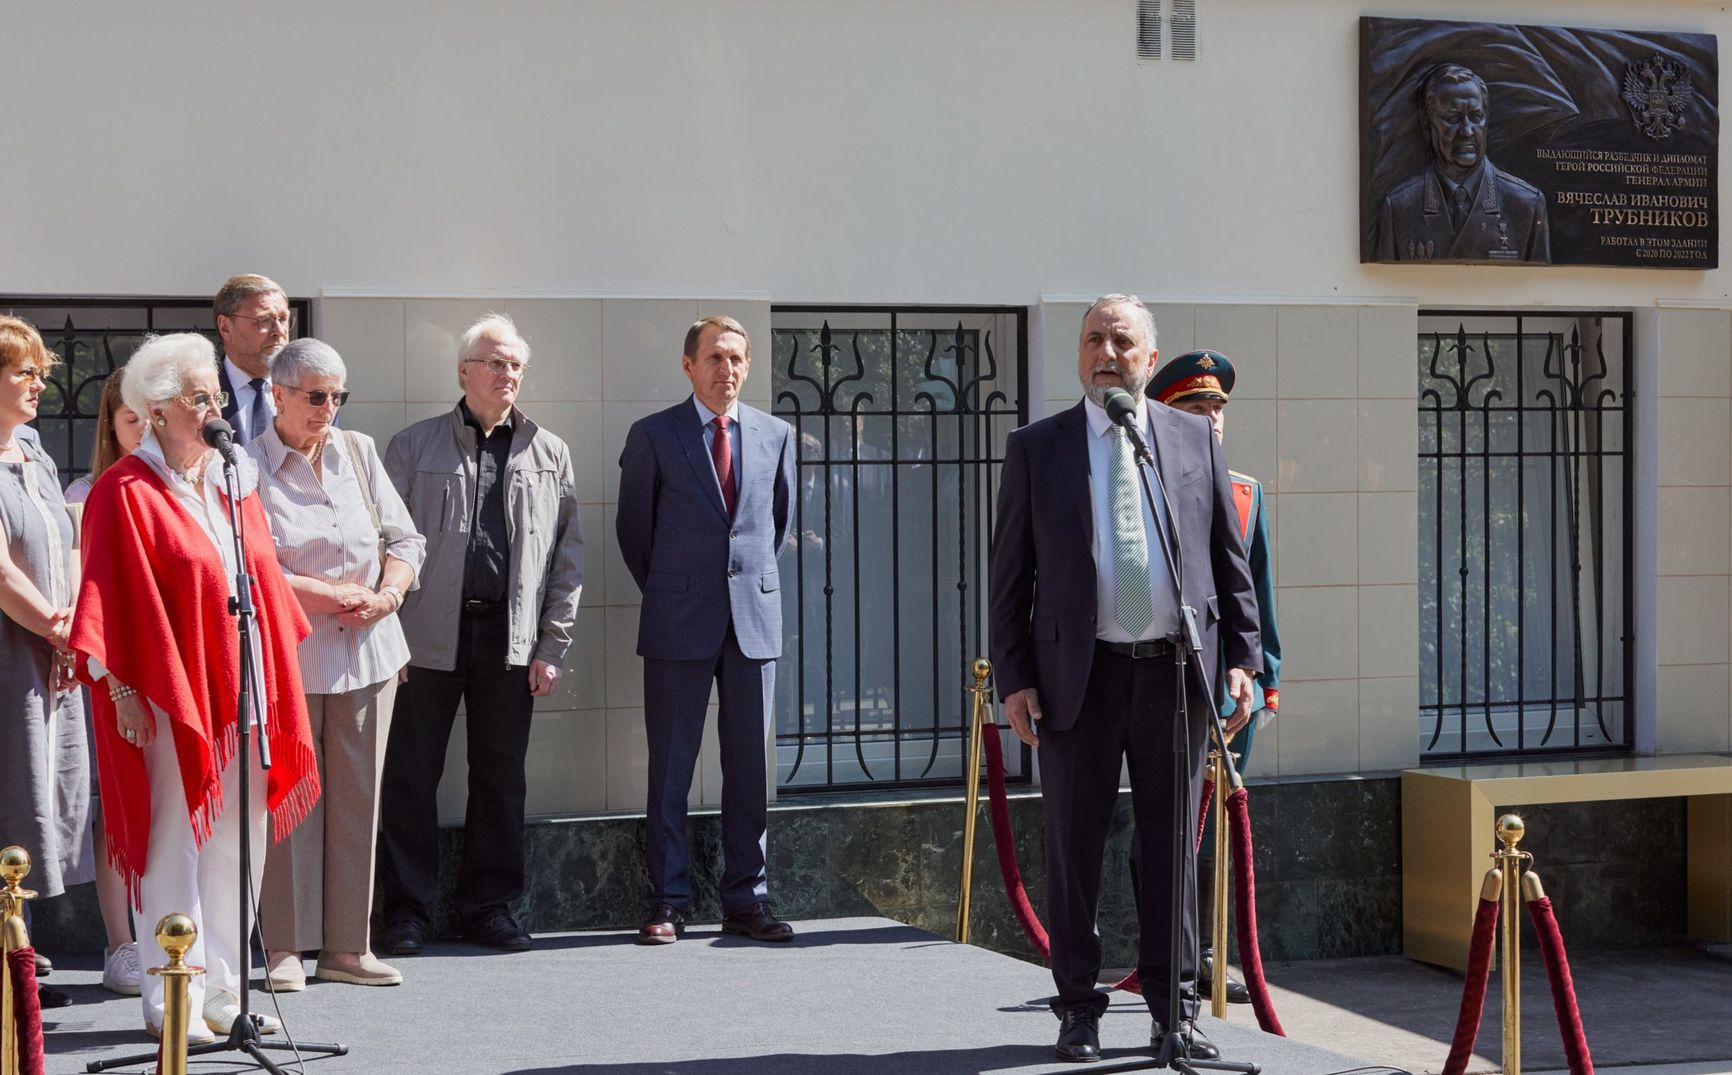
(1188, 654)
(244, 1035)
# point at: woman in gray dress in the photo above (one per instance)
(44, 761)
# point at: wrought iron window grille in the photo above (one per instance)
(901, 415)
(93, 337)
(1526, 629)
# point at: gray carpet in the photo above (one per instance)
(860, 996)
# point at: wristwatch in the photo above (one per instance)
(396, 596)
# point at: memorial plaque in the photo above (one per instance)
(1492, 142)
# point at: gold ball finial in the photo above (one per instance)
(982, 669)
(14, 866)
(176, 933)
(1510, 830)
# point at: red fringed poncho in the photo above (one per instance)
(153, 610)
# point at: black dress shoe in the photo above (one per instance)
(664, 925)
(403, 938)
(499, 930)
(49, 997)
(757, 923)
(1079, 1036)
(1236, 991)
(1197, 1047)
(43, 967)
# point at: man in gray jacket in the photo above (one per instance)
(489, 626)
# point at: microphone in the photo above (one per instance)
(1121, 408)
(221, 436)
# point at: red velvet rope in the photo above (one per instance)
(27, 1009)
(1130, 983)
(1004, 841)
(1563, 986)
(1245, 907)
(1473, 988)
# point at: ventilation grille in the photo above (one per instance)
(1172, 23)
(1184, 31)
(1148, 29)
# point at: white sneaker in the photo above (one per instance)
(121, 972)
(222, 1008)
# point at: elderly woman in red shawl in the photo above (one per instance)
(161, 654)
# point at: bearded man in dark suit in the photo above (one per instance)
(1084, 618)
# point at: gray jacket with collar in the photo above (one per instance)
(432, 464)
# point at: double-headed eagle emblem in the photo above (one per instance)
(1658, 93)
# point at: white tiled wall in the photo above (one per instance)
(1693, 539)
(598, 365)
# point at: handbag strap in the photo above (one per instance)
(345, 438)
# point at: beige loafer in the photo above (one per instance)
(369, 971)
(286, 975)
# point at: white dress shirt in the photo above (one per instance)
(1165, 601)
(322, 530)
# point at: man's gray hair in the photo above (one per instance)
(1121, 299)
(157, 369)
(497, 325)
(304, 358)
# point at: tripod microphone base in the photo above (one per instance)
(244, 1037)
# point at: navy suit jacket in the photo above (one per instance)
(698, 570)
(1042, 569)
(232, 409)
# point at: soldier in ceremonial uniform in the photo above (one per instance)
(1201, 382)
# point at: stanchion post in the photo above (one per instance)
(14, 868)
(979, 718)
(176, 933)
(1218, 984)
(1510, 831)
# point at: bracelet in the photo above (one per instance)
(115, 693)
(396, 596)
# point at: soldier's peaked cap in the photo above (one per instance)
(1201, 374)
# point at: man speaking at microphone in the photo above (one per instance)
(1084, 620)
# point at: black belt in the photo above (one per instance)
(474, 605)
(1138, 651)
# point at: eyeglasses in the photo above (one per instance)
(266, 322)
(30, 373)
(500, 367)
(198, 401)
(317, 397)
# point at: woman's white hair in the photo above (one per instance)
(157, 369)
(306, 358)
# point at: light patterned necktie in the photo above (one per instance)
(1133, 608)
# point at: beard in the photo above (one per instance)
(1131, 383)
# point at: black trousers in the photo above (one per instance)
(1127, 715)
(498, 706)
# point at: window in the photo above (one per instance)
(901, 416)
(94, 337)
(1524, 533)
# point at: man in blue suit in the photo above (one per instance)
(705, 508)
(253, 319)
(1083, 618)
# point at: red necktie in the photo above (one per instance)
(722, 454)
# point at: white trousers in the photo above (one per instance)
(201, 882)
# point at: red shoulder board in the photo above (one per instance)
(1245, 499)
